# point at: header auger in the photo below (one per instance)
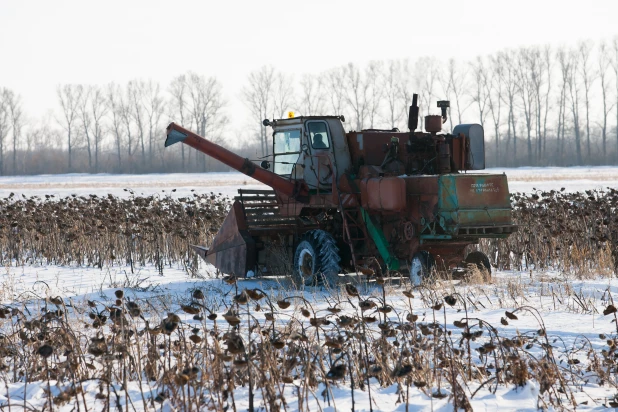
(379, 199)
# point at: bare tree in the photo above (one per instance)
(257, 96)
(115, 106)
(527, 68)
(494, 86)
(565, 69)
(392, 78)
(283, 94)
(178, 106)
(5, 122)
(16, 111)
(426, 75)
(86, 120)
(154, 107)
(615, 68)
(206, 105)
(92, 109)
(357, 94)
(41, 139)
(479, 93)
(135, 91)
(127, 120)
(374, 76)
(405, 89)
(69, 96)
(511, 84)
(457, 83)
(547, 67)
(447, 92)
(98, 110)
(312, 98)
(539, 72)
(604, 62)
(574, 98)
(588, 75)
(334, 80)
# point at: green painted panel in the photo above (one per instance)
(392, 263)
(473, 200)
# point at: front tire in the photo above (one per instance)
(316, 259)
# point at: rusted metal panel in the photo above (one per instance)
(383, 194)
(422, 193)
(458, 154)
(369, 146)
(341, 152)
(422, 185)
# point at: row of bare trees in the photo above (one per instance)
(128, 121)
(539, 106)
(111, 128)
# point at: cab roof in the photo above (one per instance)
(301, 119)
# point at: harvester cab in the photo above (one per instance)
(311, 149)
(378, 201)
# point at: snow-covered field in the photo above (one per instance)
(522, 179)
(174, 184)
(571, 309)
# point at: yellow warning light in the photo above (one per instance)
(290, 115)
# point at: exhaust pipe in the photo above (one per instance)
(413, 114)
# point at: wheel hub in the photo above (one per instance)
(305, 263)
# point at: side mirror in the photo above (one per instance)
(304, 148)
(265, 164)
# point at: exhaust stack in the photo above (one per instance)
(413, 114)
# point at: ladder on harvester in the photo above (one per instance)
(354, 229)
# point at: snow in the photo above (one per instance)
(148, 184)
(573, 179)
(564, 325)
(522, 179)
(555, 295)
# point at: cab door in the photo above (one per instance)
(287, 146)
(318, 156)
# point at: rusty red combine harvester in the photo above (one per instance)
(384, 200)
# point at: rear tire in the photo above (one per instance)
(421, 267)
(481, 261)
(316, 259)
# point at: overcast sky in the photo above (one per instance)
(44, 43)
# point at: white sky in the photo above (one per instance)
(44, 43)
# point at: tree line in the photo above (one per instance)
(539, 105)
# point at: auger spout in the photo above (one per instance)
(293, 189)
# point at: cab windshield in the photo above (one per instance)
(286, 150)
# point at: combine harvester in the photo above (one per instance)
(374, 201)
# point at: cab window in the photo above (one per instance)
(318, 134)
(286, 150)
